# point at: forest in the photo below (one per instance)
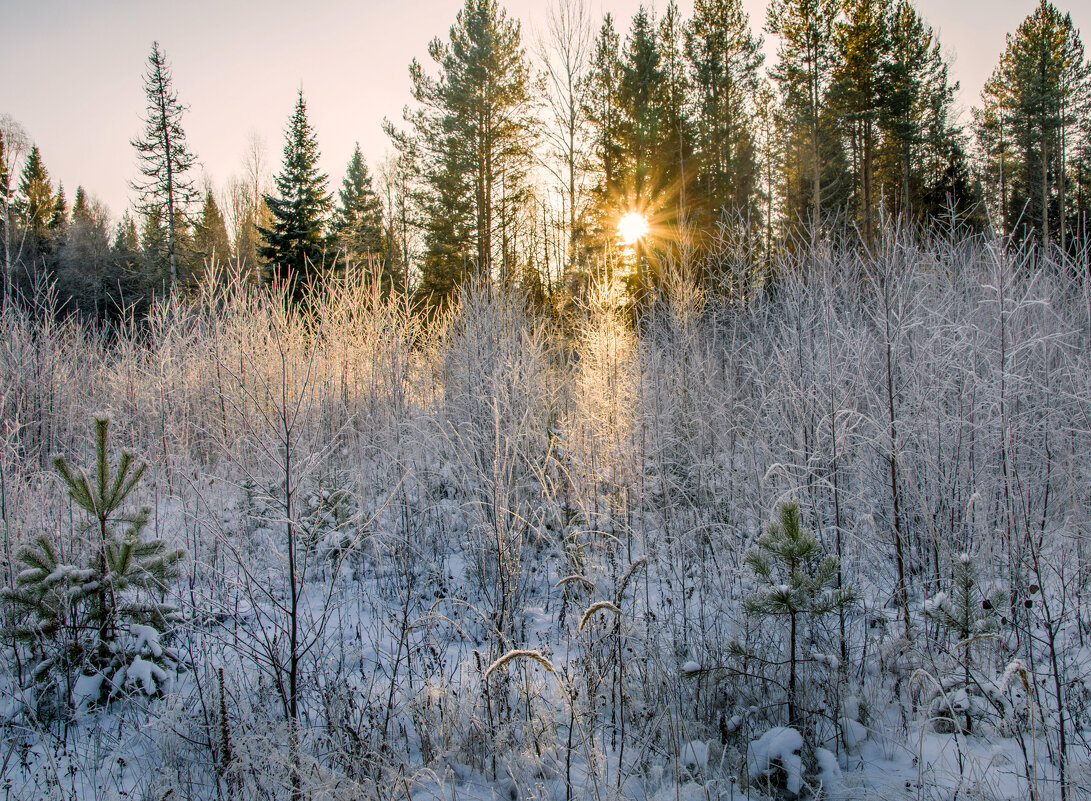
(655, 423)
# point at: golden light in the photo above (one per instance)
(632, 227)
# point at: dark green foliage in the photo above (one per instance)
(796, 581)
(724, 58)
(358, 226)
(35, 203)
(473, 143)
(210, 242)
(967, 612)
(97, 611)
(87, 275)
(1033, 107)
(295, 242)
(164, 158)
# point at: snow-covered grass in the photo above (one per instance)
(518, 540)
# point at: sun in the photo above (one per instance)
(632, 227)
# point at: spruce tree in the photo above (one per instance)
(602, 107)
(35, 203)
(210, 242)
(642, 95)
(99, 614)
(164, 157)
(358, 220)
(295, 241)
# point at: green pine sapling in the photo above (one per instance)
(101, 619)
(968, 613)
(797, 582)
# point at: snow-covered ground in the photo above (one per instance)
(519, 556)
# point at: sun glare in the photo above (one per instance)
(631, 227)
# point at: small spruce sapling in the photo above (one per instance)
(969, 613)
(101, 619)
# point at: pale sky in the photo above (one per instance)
(72, 72)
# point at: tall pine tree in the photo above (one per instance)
(1031, 115)
(724, 57)
(474, 136)
(805, 62)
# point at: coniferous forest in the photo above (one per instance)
(659, 421)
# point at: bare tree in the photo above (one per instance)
(565, 52)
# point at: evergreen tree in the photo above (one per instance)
(857, 93)
(358, 220)
(1032, 110)
(966, 611)
(602, 107)
(642, 96)
(805, 61)
(724, 58)
(35, 203)
(797, 582)
(154, 251)
(164, 157)
(210, 242)
(676, 159)
(296, 240)
(102, 617)
(474, 137)
(85, 267)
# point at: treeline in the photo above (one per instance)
(517, 158)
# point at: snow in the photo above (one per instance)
(782, 745)
(695, 756)
(147, 640)
(86, 689)
(146, 674)
(690, 666)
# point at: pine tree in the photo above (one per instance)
(474, 137)
(164, 157)
(1031, 112)
(210, 242)
(857, 93)
(358, 220)
(101, 618)
(796, 581)
(724, 58)
(967, 612)
(805, 61)
(296, 240)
